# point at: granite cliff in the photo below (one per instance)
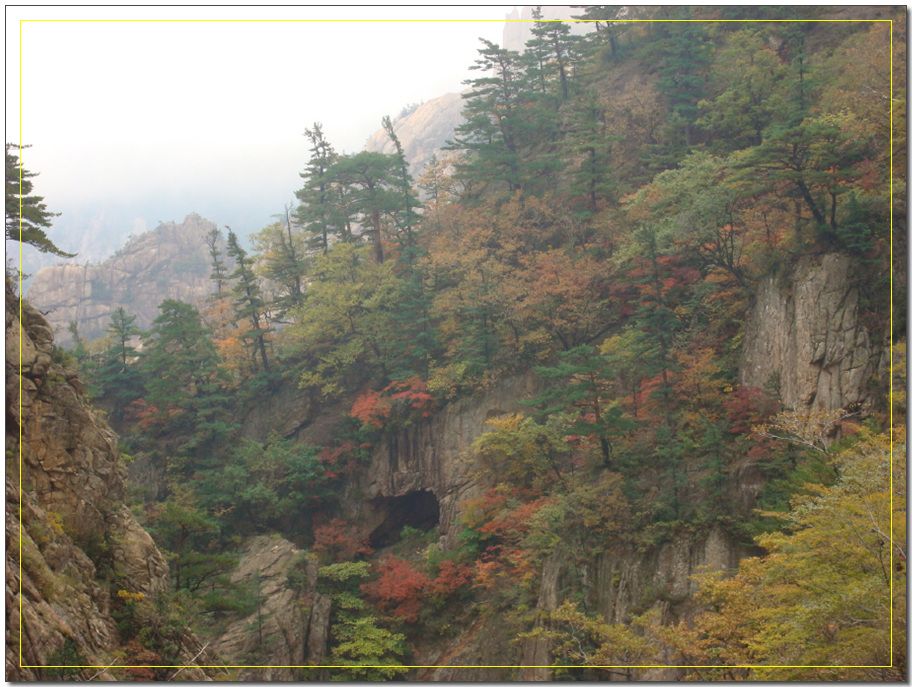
(171, 261)
(422, 132)
(73, 546)
(805, 337)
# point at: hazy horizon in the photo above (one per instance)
(179, 110)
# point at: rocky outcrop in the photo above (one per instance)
(431, 457)
(171, 261)
(65, 515)
(518, 24)
(422, 132)
(805, 338)
(290, 626)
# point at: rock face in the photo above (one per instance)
(430, 459)
(287, 629)
(421, 132)
(805, 337)
(171, 261)
(64, 508)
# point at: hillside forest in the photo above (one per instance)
(600, 223)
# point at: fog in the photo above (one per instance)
(201, 109)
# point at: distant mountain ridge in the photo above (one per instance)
(170, 261)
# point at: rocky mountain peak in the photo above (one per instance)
(170, 261)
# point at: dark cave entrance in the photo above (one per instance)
(418, 509)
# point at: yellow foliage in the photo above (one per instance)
(828, 588)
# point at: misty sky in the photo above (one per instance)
(119, 110)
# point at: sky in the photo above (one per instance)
(204, 108)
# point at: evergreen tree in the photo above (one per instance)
(602, 16)
(587, 140)
(317, 213)
(555, 52)
(493, 120)
(247, 298)
(187, 534)
(409, 217)
(575, 387)
(749, 95)
(219, 272)
(682, 50)
(183, 408)
(27, 216)
(371, 178)
(118, 375)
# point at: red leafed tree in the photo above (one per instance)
(450, 578)
(397, 403)
(371, 408)
(398, 590)
(748, 406)
(338, 541)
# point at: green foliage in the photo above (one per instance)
(62, 662)
(188, 535)
(346, 318)
(27, 216)
(374, 185)
(117, 373)
(751, 86)
(268, 486)
(248, 300)
(520, 452)
(367, 651)
(681, 51)
(575, 388)
(323, 211)
(184, 398)
(282, 262)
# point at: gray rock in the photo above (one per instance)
(171, 261)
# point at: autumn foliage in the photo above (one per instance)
(338, 540)
(402, 591)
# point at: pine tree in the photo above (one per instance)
(682, 49)
(317, 213)
(219, 272)
(183, 408)
(248, 299)
(493, 120)
(409, 217)
(27, 216)
(555, 51)
(575, 387)
(371, 179)
(588, 142)
(118, 375)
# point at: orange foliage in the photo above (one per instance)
(401, 400)
(371, 408)
(150, 416)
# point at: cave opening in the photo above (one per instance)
(417, 509)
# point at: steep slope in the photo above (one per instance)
(72, 543)
(809, 341)
(827, 335)
(422, 132)
(171, 261)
